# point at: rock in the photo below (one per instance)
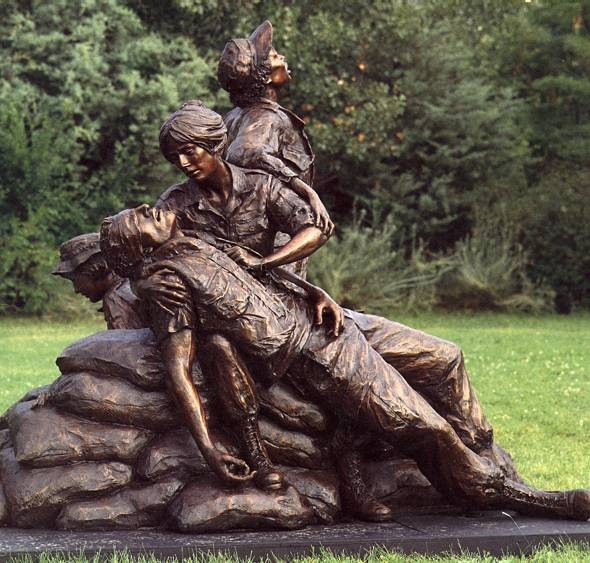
(176, 451)
(111, 399)
(284, 405)
(44, 437)
(399, 484)
(130, 354)
(294, 448)
(320, 488)
(207, 506)
(35, 496)
(133, 507)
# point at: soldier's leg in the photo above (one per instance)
(225, 368)
(435, 368)
(353, 380)
(356, 497)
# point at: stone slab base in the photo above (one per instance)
(495, 533)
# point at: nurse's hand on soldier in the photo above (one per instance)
(164, 284)
(244, 258)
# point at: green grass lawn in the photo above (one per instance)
(532, 374)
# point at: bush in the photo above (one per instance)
(489, 271)
(360, 270)
(555, 219)
(39, 202)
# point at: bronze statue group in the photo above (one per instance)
(216, 269)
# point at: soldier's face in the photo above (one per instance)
(279, 69)
(156, 226)
(90, 287)
(194, 161)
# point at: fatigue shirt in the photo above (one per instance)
(264, 206)
(220, 297)
(267, 136)
(122, 308)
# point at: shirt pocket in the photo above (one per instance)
(297, 157)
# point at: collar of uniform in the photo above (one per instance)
(276, 107)
(172, 247)
(240, 187)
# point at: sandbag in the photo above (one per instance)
(35, 496)
(399, 484)
(44, 437)
(4, 515)
(321, 489)
(35, 394)
(133, 507)
(284, 405)
(112, 399)
(294, 448)
(177, 451)
(208, 506)
(130, 354)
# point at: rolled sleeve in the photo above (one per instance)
(289, 212)
(166, 319)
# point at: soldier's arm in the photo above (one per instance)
(177, 354)
(324, 306)
(174, 326)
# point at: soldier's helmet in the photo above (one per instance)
(76, 251)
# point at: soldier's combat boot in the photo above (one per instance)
(355, 495)
(267, 476)
(573, 505)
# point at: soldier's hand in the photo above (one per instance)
(229, 468)
(328, 313)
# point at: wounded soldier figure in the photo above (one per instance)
(343, 373)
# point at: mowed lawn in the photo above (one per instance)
(532, 374)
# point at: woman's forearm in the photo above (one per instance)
(305, 191)
(302, 245)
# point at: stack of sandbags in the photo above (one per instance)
(104, 447)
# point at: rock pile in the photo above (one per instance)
(104, 448)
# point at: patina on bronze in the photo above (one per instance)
(343, 373)
(297, 398)
(264, 135)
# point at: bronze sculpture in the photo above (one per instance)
(277, 385)
(344, 372)
(82, 264)
(264, 135)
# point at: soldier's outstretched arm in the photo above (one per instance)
(178, 350)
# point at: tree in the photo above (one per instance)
(84, 87)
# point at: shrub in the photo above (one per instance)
(489, 271)
(361, 270)
(555, 219)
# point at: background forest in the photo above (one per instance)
(452, 137)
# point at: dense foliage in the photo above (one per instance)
(435, 113)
